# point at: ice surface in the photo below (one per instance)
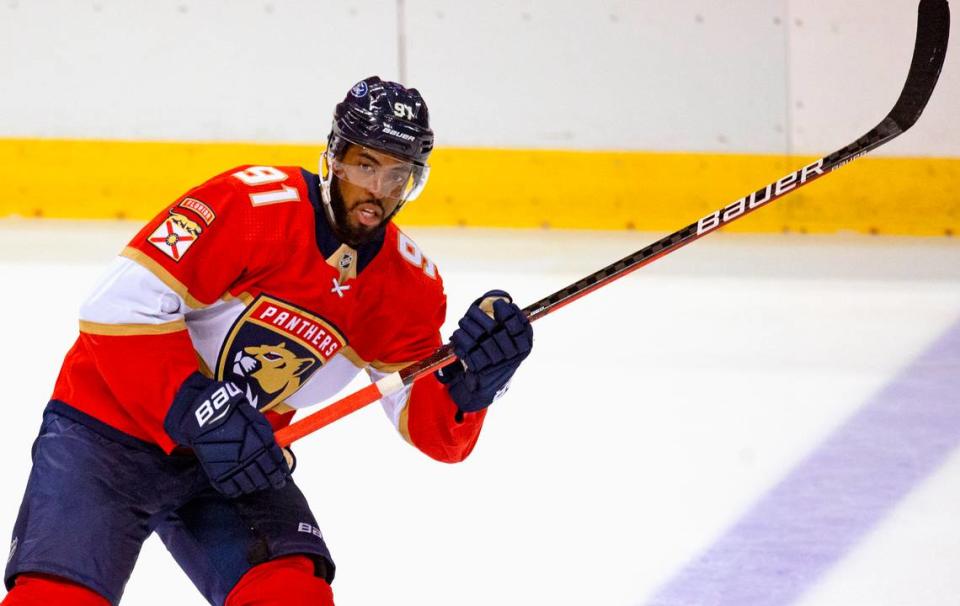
(651, 417)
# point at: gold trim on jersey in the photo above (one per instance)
(344, 260)
(244, 297)
(404, 424)
(389, 367)
(351, 355)
(203, 367)
(123, 330)
(163, 275)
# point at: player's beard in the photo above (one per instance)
(353, 235)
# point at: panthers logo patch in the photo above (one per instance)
(273, 348)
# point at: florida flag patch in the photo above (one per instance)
(175, 236)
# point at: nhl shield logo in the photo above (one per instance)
(274, 348)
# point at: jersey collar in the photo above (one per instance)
(327, 242)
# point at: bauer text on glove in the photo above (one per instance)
(233, 441)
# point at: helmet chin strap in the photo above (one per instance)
(326, 178)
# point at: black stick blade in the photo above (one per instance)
(933, 32)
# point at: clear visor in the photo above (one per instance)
(386, 177)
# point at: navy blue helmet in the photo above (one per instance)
(384, 116)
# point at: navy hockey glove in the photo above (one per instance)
(490, 349)
(233, 440)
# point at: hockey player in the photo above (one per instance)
(263, 290)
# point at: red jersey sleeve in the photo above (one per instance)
(199, 245)
(134, 350)
(429, 419)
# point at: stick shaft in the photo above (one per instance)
(328, 414)
(933, 28)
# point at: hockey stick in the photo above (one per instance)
(933, 31)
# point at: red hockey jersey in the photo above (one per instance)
(243, 279)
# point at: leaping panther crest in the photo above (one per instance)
(274, 367)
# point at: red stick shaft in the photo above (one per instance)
(328, 414)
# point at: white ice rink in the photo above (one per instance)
(753, 420)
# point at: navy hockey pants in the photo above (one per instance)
(95, 494)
